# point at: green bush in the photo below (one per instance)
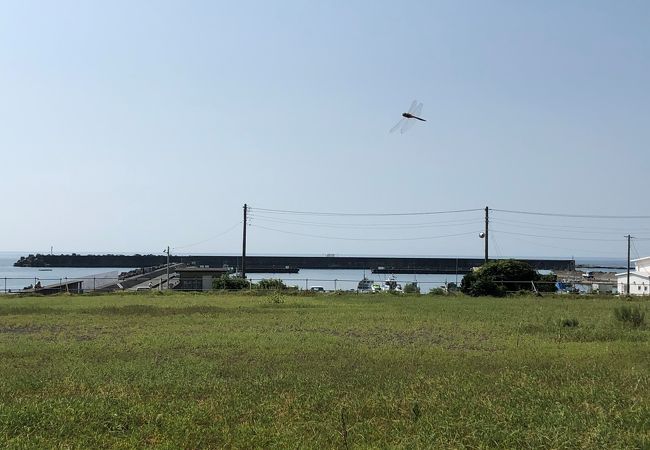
(496, 278)
(271, 284)
(411, 288)
(630, 314)
(229, 283)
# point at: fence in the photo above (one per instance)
(103, 282)
(396, 284)
(16, 285)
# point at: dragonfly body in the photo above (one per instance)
(408, 118)
(411, 116)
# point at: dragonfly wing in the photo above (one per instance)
(408, 123)
(398, 125)
(413, 106)
(418, 110)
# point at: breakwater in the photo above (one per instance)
(284, 263)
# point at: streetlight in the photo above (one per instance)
(167, 251)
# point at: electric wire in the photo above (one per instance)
(363, 239)
(368, 226)
(638, 256)
(567, 228)
(636, 252)
(571, 238)
(283, 217)
(210, 238)
(586, 216)
(497, 247)
(572, 250)
(342, 214)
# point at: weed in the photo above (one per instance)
(633, 315)
(437, 291)
(416, 411)
(344, 429)
(276, 298)
(568, 323)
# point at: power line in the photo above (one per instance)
(496, 244)
(342, 214)
(364, 239)
(558, 237)
(558, 228)
(587, 216)
(363, 226)
(564, 227)
(572, 250)
(210, 238)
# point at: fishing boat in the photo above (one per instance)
(365, 285)
(391, 284)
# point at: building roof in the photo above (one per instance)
(635, 273)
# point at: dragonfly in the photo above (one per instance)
(409, 118)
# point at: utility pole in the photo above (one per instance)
(487, 221)
(627, 286)
(168, 267)
(243, 249)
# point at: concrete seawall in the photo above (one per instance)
(401, 264)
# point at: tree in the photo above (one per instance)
(498, 277)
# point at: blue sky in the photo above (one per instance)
(130, 126)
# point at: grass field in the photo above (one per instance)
(325, 371)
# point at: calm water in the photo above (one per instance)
(16, 278)
(19, 277)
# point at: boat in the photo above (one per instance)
(45, 270)
(365, 285)
(391, 284)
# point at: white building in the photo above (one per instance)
(639, 278)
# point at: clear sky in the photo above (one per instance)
(127, 126)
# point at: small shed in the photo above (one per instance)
(198, 278)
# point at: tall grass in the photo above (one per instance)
(325, 371)
(632, 315)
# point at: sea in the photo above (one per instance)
(16, 278)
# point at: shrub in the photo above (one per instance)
(230, 283)
(437, 291)
(271, 284)
(411, 288)
(496, 278)
(630, 314)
